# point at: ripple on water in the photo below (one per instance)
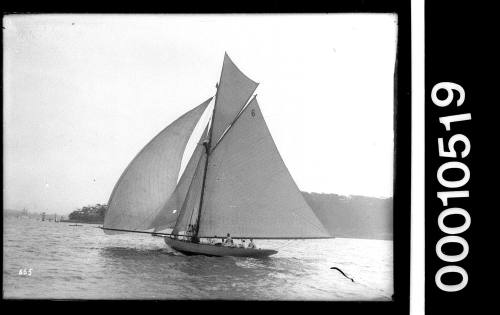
(70, 262)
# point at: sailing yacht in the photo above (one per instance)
(235, 181)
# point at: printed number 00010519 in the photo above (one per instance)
(449, 151)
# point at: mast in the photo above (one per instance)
(207, 150)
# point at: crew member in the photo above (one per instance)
(229, 240)
(251, 244)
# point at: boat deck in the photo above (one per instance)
(189, 248)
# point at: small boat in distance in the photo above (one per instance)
(235, 181)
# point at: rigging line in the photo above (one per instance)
(286, 244)
(132, 231)
(190, 222)
(181, 213)
(238, 237)
(320, 227)
(273, 237)
(250, 99)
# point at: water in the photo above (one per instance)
(82, 262)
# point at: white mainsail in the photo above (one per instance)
(234, 90)
(249, 191)
(151, 177)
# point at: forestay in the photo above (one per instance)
(249, 191)
(151, 177)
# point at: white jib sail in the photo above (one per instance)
(151, 177)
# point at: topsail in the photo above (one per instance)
(234, 90)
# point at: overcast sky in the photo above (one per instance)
(84, 93)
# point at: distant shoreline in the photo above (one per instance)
(357, 217)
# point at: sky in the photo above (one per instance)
(84, 93)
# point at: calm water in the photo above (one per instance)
(82, 262)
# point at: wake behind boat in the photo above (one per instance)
(235, 181)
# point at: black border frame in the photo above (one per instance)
(402, 154)
(454, 52)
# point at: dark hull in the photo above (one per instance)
(189, 248)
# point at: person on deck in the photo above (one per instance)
(206, 145)
(229, 240)
(194, 237)
(251, 244)
(217, 242)
(213, 240)
(242, 244)
(190, 233)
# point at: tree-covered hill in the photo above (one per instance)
(343, 216)
(353, 216)
(89, 214)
